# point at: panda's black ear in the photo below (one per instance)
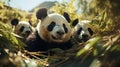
(14, 21)
(41, 13)
(66, 15)
(75, 22)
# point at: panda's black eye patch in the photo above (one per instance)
(79, 30)
(90, 31)
(21, 29)
(65, 28)
(51, 26)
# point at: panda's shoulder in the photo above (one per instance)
(34, 38)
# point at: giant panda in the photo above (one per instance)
(53, 31)
(82, 30)
(22, 28)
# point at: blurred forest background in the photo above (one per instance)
(103, 48)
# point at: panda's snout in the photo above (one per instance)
(85, 36)
(60, 32)
(28, 32)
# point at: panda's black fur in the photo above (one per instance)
(36, 43)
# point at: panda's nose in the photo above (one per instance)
(28, 32)
(84, 36)
(60, 32)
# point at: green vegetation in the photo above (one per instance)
(105, 44)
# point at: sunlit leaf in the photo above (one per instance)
(115, 47)
(104, 16)
(90, 44)
(14, 39)
(95, 52)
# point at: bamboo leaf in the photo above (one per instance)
(90, 44)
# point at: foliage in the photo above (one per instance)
(8, 13)
(7, 39)
(89, 46)
(106, 13)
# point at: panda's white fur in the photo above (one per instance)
(82, 31)
(22, 28)
(53, 31)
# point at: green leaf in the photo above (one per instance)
(90, 44)
(13, 39)
(95, 53)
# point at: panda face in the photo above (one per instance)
(82, 31)
(22, 28)
(54, 28)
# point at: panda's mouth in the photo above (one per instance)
(81, 39)
(26, 34)
(53, 37)
(57, 38)
(84, 39)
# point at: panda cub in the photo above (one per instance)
(53, 31)
(22, 28)
(82, 30)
